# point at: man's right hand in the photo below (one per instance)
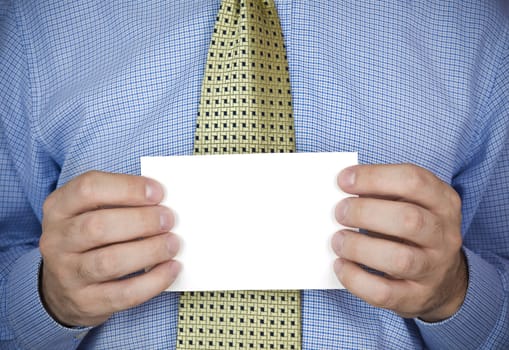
(97, 229)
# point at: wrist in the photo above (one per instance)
(454, 297)
(32, 326)
(43, 295)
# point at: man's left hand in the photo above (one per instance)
(413, 220)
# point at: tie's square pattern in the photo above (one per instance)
(246, 103)
(239, 320)
(245, 107)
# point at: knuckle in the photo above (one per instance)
(103, 262)
(413, 220)
(415, 178)
(93, 228)
(50, 249)
(404, 261)
(456, 241)
(48, 204)
(86, 184)
(455, 199)
(383, 297)
(44, 245)
(455, 202)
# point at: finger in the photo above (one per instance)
(405, 181)
(118, 260)
(120, 295)
(95, 190)
(398, 260)
(396, 295)
(398, 219)
(103, 227)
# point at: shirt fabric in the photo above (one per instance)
(97, 84)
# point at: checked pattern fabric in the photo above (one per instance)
(245, 107)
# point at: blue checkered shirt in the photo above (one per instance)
(98, 84)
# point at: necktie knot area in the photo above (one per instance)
(246, 104)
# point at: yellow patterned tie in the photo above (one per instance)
(245, 107)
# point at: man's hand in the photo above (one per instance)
(414, 239)
(97, 229)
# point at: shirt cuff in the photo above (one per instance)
(33, 327)
(472, 324)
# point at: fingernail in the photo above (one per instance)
(338, 264)
(153, 191)
(347, 177)
(166, 220)
(338, 242)
(174, 269)
(341, 210)
(172, 244)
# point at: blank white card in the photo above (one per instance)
(253, 221)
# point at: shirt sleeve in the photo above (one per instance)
(483, 320)
(27, 176)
